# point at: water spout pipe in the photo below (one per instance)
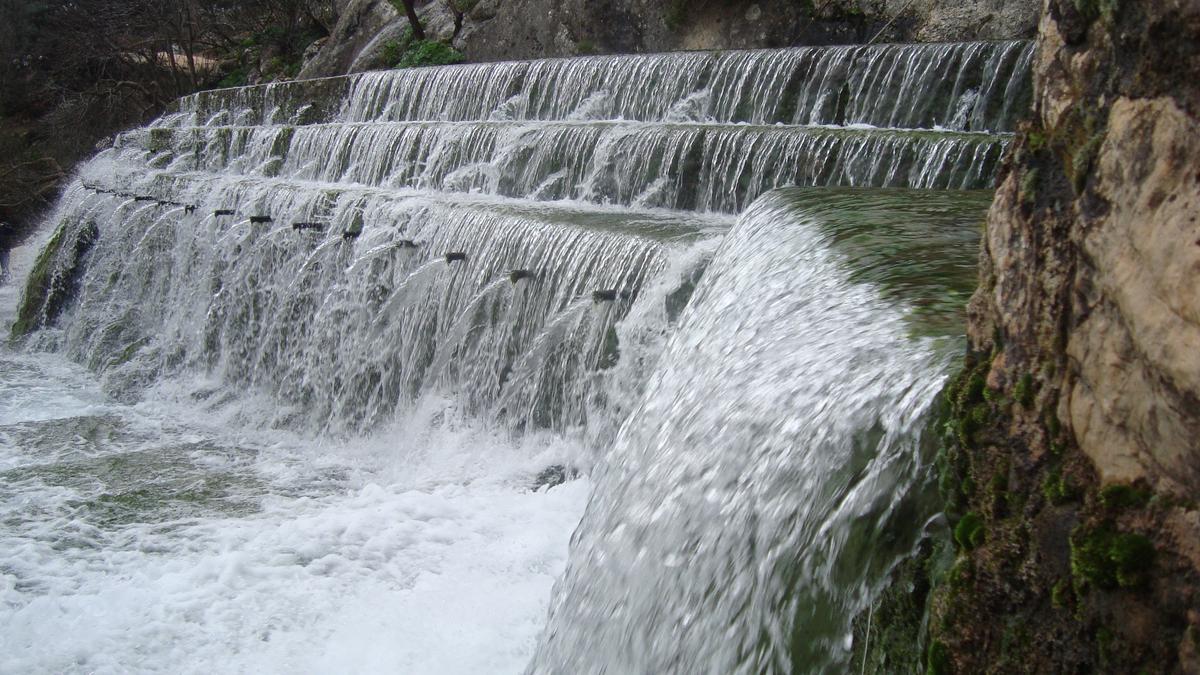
(190, 208)
(517, 275)
(223, 212)
(455, 256)
(351, 234)
(258, 220)
(316, 227)
(605, 295)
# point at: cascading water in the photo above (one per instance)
(342, 337)
(770, 474)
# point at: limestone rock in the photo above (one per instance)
(363, 27)
(1087, 325)
(491, 30)
(1135, 403)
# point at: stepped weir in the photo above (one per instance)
(735, 278)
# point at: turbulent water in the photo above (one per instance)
(321, 376)
(774, 463)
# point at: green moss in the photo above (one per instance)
(283, 143)
(1104, 643)
(1098, 9)
(1023, 393)
(52, 283)
(980, 414)
(37, 287)
(999, 481)
(1057, 489)
(1060, 595)
(968, 486)
(1014, 643)
(1035, 140)
(585, 47)
(1104, 558)
(972, 392)
(937, 660)
(161, 139)
(1119, 497)
(973, 420)
(970, 531)
(128, 353)
(1028, 188)
(1053, 426)
(888, 636)
(1082, 160)
(959, 575)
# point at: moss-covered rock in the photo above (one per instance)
(1104, 558)
(970, 531)
(54, 279)
(1070, 455)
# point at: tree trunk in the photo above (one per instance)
(411, 12)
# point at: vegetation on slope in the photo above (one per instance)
(75, 71)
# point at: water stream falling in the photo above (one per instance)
(323, 375)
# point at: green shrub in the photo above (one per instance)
(236, 78)
(391, 52)
(429, 53)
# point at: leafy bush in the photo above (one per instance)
(429, 53)
(391, 52)
(236, 78)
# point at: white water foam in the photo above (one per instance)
(397, 553)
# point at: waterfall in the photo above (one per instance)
(772, 470)
(722, 286)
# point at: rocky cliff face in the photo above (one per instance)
(490, 30)
(1072, 464)
(528, 28)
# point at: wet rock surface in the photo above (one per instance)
(1072, 442)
